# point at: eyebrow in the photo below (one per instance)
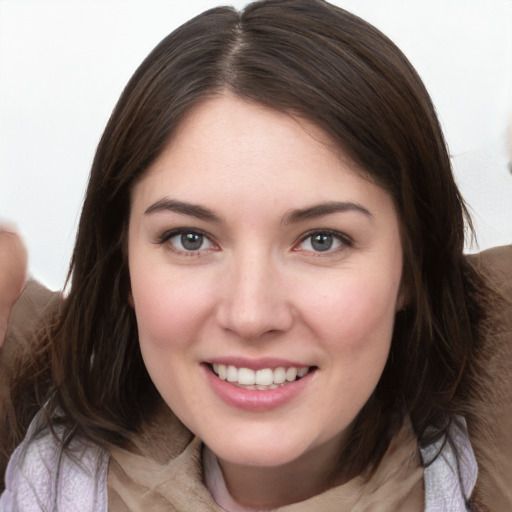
(293, 216)
(321, 209)
(183, 207)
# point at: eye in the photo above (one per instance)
(323, 241)
(186, 241)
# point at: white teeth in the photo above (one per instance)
(266, 378)
(232, 374)
(222, 371)
(246, 377)
(279, 375)
(302, 372)
(291, 374)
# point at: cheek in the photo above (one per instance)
(169, 309)
(354, 323)
(355, 311)
(171, 318)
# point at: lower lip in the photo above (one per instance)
(253, 399)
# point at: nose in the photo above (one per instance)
(255, 300)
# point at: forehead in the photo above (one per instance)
(227, 148)
(227, 124)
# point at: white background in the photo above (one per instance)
(64, 63)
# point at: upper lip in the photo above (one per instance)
(256, 364)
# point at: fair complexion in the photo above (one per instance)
(253, 244)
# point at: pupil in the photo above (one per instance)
(191, 241)
(321, 242)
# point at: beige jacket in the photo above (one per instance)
(166, 468)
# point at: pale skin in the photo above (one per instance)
(258, 289)
(291, 257)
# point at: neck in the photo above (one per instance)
(238, 488)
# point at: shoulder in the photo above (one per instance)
(496, 266)
(33, 306)
(495, 262)
(41, 475)
(491, 425)
(22, 352)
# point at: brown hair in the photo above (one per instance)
(311, 59)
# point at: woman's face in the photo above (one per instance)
(265, 278)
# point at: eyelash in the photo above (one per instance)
(343, 241)
(165, 238)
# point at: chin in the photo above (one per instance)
(259, 457)
(265, 451)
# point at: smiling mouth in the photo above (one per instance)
(262, 380)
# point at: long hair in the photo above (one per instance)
(310, 59)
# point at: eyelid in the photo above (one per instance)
(342, 237)
(166, 235)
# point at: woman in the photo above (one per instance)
(269, 258)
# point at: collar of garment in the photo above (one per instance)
(138, 482)
(164, 471)
(451, 471)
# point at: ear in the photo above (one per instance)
(404, 297)
(400, 302)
